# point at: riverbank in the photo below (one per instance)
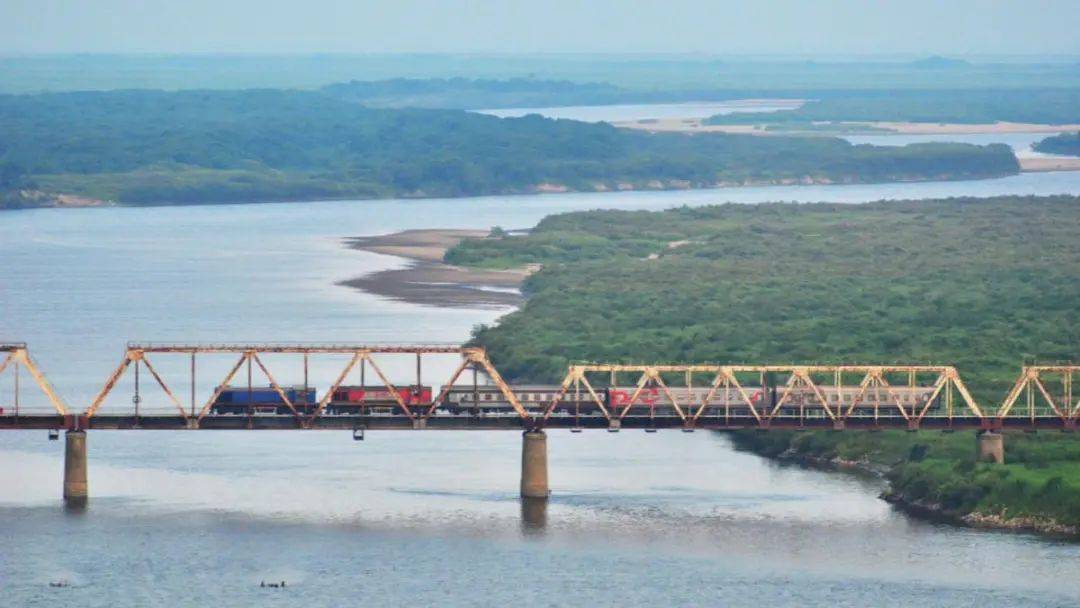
(698, 125)
(427, 280)
(934, 475)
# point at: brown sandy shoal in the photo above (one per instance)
(1064, 163)
(695, 125)
(427, 280)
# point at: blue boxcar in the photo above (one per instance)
(262, 400)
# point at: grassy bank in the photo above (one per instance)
(979, 283)
(1037, 489)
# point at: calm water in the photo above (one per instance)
(624, 112)
(198, 519)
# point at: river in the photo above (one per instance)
(199, 519)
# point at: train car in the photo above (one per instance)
(488, 400)
(654, 401)
(362, 400)
(262, 400)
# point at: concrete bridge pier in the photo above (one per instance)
(534, 468)
(76, 491)
(990, 447)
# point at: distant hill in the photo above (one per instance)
(465, 93)
(938, 62)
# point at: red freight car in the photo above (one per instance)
(358, 400)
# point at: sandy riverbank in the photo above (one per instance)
(696, 125)
(1050, 163)
(427, 280)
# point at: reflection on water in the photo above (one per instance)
(630, 516)
(533, 515)
(651, 111)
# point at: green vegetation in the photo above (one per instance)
(223, 146)
(1043, 106)
(979, 283)
(1041, 477)
(1064, 143)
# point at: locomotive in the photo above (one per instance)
(360, 400)
(262, 400)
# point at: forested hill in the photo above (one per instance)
(1065, 143)
(223, 146)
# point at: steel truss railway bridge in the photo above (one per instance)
(713, 397)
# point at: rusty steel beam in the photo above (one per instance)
(275, 386)
(153, 372)
(20, 356)
(810, 369)
(300, 348)
(1031, 378)
(357, 357)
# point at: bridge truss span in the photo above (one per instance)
(14, 357)
(766, 396)
(359, 386)
(1035, 395)
(414, 403)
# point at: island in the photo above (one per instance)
(1067, 144)
(969, 282)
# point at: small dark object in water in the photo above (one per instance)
(58, 583)
(272, 585)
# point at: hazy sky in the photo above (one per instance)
(717, 26)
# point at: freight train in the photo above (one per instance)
(652, 401)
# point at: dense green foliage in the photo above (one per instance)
(1044, 106)
(979, 283)
(211, 146)
(1064, 143)
(1041, 477)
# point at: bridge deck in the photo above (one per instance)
(513, 422)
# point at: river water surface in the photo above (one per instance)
(199, 519)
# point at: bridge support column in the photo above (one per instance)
(534, 469)
(990, 447)
(76, 490)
